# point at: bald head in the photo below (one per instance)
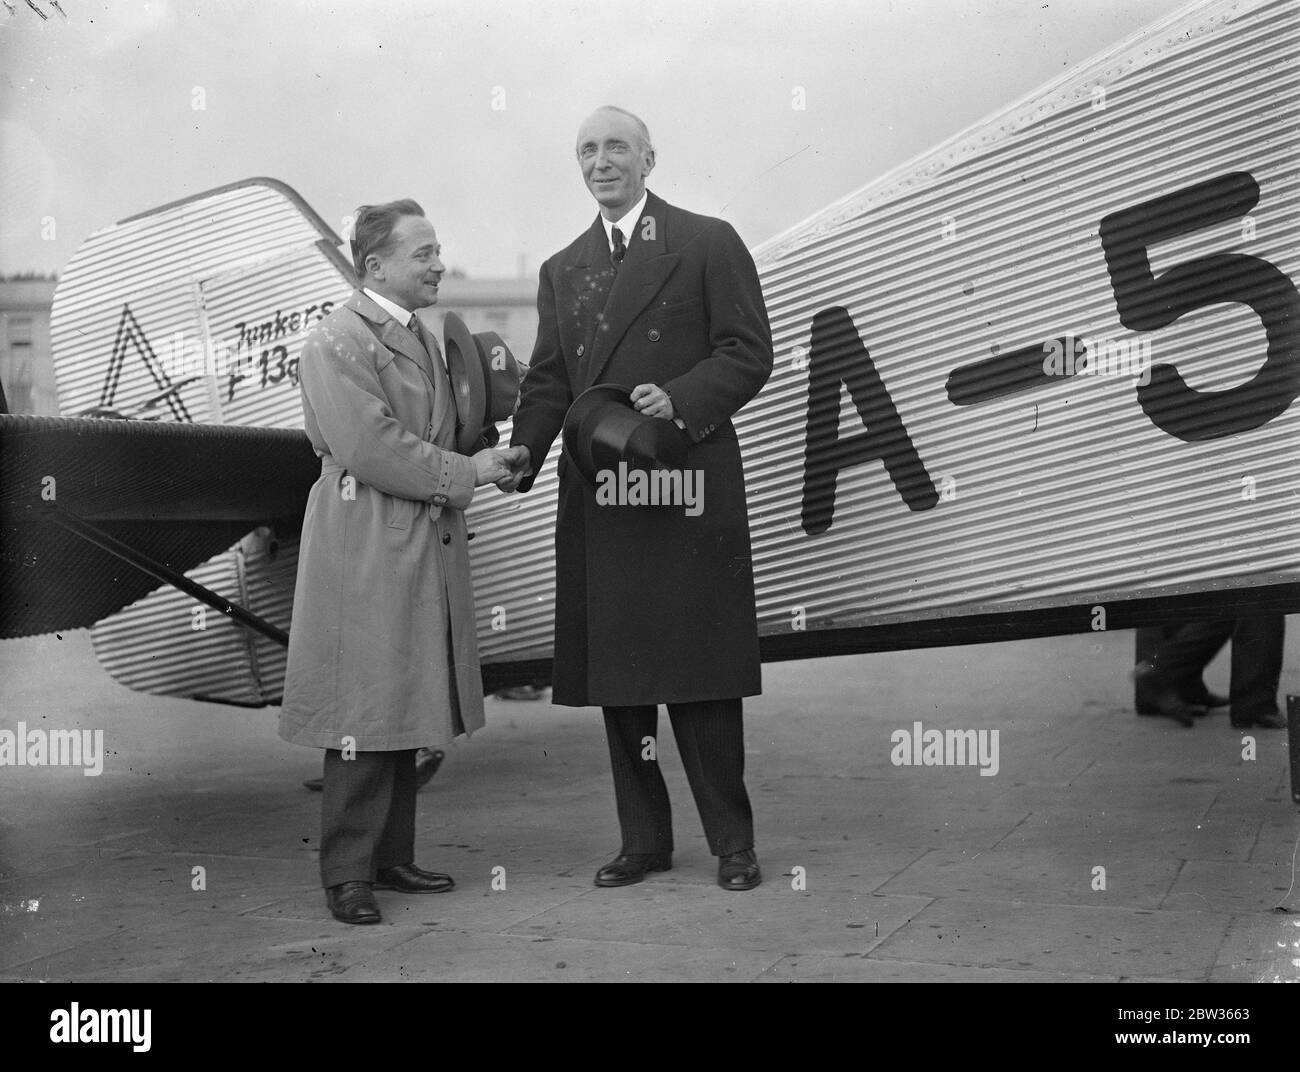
(615, 154)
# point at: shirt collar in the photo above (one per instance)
(627, 224)
(402, 316)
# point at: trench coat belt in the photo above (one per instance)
(328, 466)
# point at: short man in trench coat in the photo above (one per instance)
(383, 657)
(654, 605)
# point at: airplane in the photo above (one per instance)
(1037, 381)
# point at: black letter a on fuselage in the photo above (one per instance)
(838, 357)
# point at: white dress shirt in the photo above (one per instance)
(627, 224)
(402, 316)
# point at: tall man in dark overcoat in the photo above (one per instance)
(654, 605)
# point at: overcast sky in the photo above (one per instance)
(471, 106)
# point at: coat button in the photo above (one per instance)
(446, 537)
(440, 499)
(581, 349)
(652, 334)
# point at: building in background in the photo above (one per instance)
(506, 306)
(26, 362)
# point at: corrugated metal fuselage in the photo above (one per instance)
(968, 413)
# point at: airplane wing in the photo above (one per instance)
(189, 319)
(80, 497)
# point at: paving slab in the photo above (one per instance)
(1259, 948)
(1235, 888)
(1163, 835)
(217, 948)
(860, 968)
(773, 917)
(1061, 938)
(450, 956)
(1066, 875)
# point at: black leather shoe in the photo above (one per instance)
(407, 878)
(1157, 697)
(1265, 720)
(739, 871)
(629, 867)
(353, 902)
(427, 762)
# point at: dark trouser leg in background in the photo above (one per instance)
(1192, 689)
(397, 844)
(1186, 653)
(1172, 670)
(367, 814)
(1256, 665)
(711, 739)
(644, 813)
(1145, 642)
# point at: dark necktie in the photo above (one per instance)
(417, 329)
(619, 248)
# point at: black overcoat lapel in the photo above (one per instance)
(641, 276)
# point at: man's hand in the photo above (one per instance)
(521, 467)
(653, 401)
(497, 464)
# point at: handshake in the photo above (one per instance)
(506, 467)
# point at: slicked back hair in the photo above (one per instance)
(373, 230)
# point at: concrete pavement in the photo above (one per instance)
(1105, 847)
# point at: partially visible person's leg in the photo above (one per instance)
(356, 800)
(355, 804)
(711, 738)
(1256, 669)
(1177, 659)
(644, 811)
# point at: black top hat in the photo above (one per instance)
(484, 379)
(602, 428)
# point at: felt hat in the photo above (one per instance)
(484, 379)
(603, 428)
